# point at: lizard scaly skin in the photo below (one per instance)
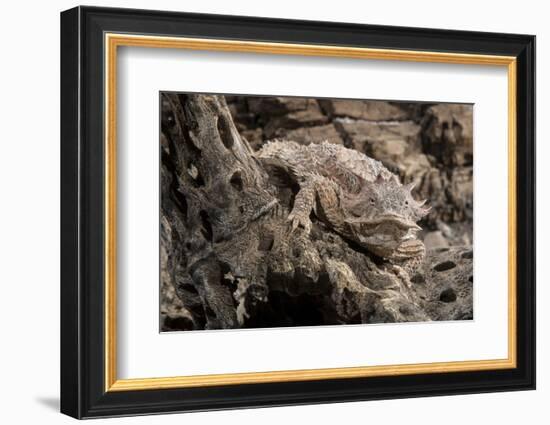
(353, 194)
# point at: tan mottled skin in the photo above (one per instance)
(353, 194)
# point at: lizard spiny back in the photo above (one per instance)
(336, 162)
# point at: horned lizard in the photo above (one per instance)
(354, 195)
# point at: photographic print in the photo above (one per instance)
(274, 216)
(295, 211)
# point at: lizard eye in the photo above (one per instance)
(372, 201)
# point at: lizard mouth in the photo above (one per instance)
(386, 220)
(388, 230)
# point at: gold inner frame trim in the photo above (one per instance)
(113, 41)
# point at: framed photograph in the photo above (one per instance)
(261, 212)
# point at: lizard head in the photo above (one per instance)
(383, 214)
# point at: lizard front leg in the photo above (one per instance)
(303, 205)
(409, 255)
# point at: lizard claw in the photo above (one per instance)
(299, 221)
(402, 273)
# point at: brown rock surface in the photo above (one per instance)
(448, 133)
(388, 142)
(372, 110)
(315, 134)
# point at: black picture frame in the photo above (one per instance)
(83, 392)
